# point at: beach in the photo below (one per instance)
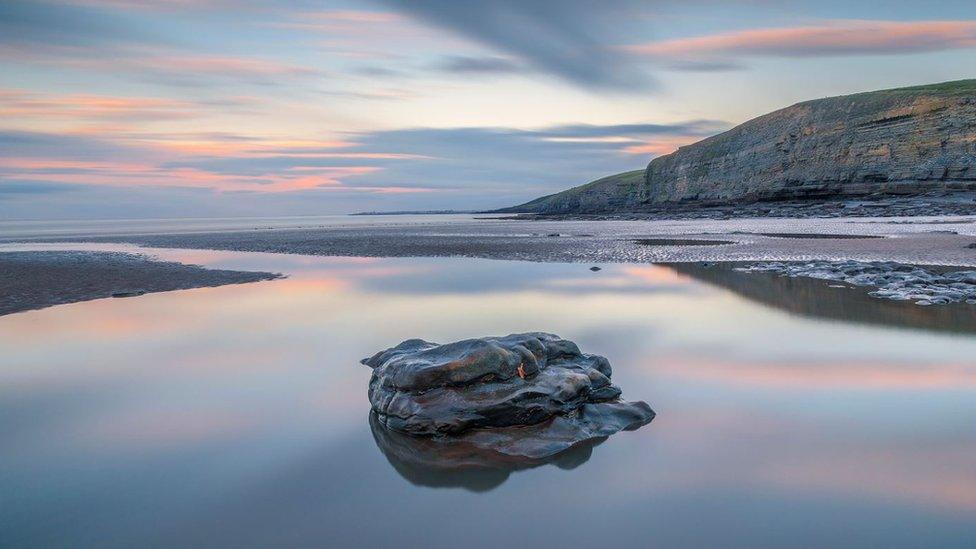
(34, 280)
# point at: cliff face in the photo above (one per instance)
(901, 141)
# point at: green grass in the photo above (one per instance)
(626, 178)
(958, 86)
(629, 179)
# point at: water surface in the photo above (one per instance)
(237, 416)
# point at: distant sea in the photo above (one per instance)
(101, 227)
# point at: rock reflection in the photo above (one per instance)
(815, 298)
(456, 463)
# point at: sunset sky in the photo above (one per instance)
(183, 108)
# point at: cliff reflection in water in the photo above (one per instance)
(446, 463)
(815, 298)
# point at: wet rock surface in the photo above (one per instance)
(518, 398)
(924, 286)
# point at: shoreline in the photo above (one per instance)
(64, 277)
(31, 280)
(927, 241)
(935, 203)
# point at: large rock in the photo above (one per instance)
(523, 396)
(902, 141)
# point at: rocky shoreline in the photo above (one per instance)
(939, 203)
(889, 280)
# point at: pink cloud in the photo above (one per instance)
(161, 64)
(253, 148)
(662, 146)
(221, 65)
(832, 38)
(77, 108)
(136, 174)
(149, 168)
(354, 16)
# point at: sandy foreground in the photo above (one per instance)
(30, 280)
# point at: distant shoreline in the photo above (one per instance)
(935, 203)
(422, 212)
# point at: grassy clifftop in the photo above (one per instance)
(603, 189)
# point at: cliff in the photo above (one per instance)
(901, 141)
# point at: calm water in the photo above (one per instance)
(237, 416)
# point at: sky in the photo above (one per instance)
(224, 108)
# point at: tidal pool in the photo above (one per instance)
(237, 416)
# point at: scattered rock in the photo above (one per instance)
(130, 293)
(951, 204)
(523, 396)
(820, 236)
(681, 242)
(892, 280)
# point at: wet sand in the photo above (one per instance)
(34, 280)
(932, 241)
(40, 279)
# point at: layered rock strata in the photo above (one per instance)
(902, 141)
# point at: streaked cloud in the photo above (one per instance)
(32, 188)
(570, 40)
(459, 64)
(86, 108)
(168, 67)
(704, 65)
(111, 39)
(829, 39)
(386, 104)
(50, 24)
(486, 167)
